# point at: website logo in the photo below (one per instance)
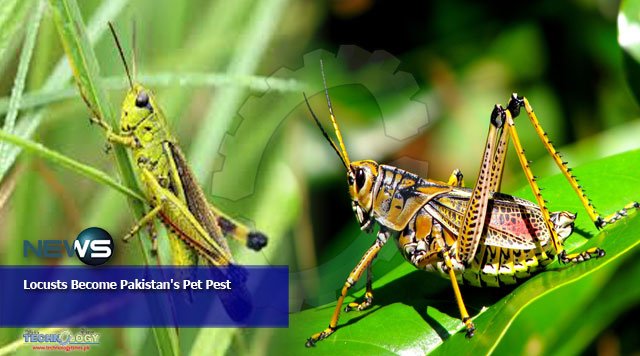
(64, 340)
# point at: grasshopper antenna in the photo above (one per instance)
(336, 128)
(324, 133)
(134, 45)
(124, 61)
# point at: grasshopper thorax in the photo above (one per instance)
(362, 176)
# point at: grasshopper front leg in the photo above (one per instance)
(354, 276)
(112, 137)
(127, 141)
(368, 295)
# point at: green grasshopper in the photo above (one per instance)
(194, 226)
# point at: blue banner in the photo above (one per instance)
(140, 296)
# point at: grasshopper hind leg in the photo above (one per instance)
(514, 106)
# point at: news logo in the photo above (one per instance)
(97, 242)
(93, 246)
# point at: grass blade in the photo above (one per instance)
(61, 74)
(62, 160)
(243, 63)
(12, 16)
(171, 80)
(21, 76)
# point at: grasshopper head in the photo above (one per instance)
(138, 105)
(361, 177)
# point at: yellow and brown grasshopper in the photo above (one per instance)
(473, 236)
(194, 226)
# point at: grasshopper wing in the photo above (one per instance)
(512, 222)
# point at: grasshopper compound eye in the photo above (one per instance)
(360, 178)
(142, 100)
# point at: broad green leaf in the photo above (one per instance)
(567, 320)
(415, 312)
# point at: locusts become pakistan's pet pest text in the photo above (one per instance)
(195, 227)
(474, 236)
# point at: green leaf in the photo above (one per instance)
(416, 312)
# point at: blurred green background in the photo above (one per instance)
(412, 85)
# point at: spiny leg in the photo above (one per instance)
(514, 105)
(355, 274)
(474, 217)
(497, 164)
(368, 295)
